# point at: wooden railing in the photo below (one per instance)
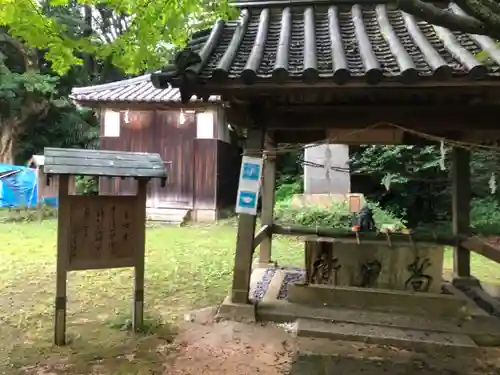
(474, 244)
(264, 232)
(481, 246)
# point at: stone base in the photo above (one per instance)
(453, 313)
(239, 312)
(467, 282)
(415, 303)
(376, 265)
(484, 330)
(473, 310)
(202, 215)
(323, 200)
(371, 334)
(257, 264)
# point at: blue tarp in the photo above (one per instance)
(18, 186)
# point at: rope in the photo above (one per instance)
(302, 146)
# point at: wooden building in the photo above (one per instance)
(351, 72)
(193, 139)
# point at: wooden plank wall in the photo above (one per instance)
(174, 142)
(205, 169)
(52, 190)
(161, 132)
(203, 173)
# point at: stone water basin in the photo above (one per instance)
(412, 267)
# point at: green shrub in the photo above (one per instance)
(485, 215)
(286, 191)
(27, 214)
(87, 185)
(336, 216)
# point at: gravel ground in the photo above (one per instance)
(208, 347)
(292, 275)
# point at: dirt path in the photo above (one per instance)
(207, 347)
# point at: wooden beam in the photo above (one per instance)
(261, 235)
(300, 136)
(344, 110)
(480, 246)
(461, 208)
(341, 235)
(268, 197)
(148, 106)
(232, 87)
(426, 118)
(246, 231)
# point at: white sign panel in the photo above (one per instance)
(111, 123)
(205, 125)
(249, 186)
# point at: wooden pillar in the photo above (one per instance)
(461, 195)
(246, 232)
(63, 212)
(268, 197)
(138, 305)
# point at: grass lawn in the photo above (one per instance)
(186, 268)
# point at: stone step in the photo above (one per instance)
(484, 331)
(474, 310)
(371, 334)
(168, 215)
(384, 300)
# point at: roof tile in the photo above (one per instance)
(134, 90)
(371, 43)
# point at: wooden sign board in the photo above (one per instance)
(354, 203)
(102, 232)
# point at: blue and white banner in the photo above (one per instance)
(249, 186)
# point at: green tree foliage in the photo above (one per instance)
(419, 189)
(152, 29)
(480, 17)
(336, 215)
(25, 94)
(34, 109)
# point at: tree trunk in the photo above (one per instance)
(7, 139)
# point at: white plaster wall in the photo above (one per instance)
(212, 124)
(315, 180)
(205, 125)
(222, 126)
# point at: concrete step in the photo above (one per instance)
(171, 216)
(371, 334)
(384, 300)
(484, 331)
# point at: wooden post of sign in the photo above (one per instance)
(246, 232)
(268, 198)
(62, 261)
(98, 232)
(139, 253)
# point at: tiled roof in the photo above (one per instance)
(367, 43)
(134, 90)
